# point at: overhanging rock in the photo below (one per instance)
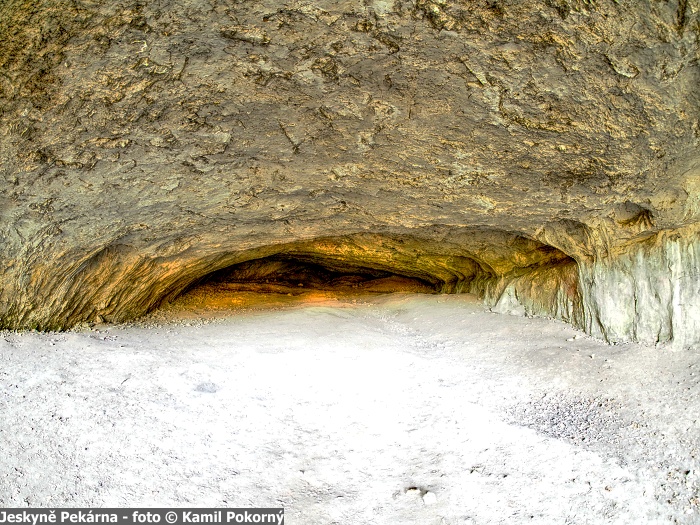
(545, 151)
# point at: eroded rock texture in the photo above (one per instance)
(542, 154)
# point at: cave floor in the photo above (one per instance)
(402, 409)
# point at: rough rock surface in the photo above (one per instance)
(542, 154)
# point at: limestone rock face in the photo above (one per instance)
(542, 154)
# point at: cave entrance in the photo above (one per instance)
(294, 274)
(284, 279)
(508, 271)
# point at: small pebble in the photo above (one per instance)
(429, 498)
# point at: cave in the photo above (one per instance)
(509, 272)
(280, 279)
(528, 171)
(199, 141)
(282, 274)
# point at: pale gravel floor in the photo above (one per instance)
(403, 409)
